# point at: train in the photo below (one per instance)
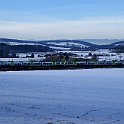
(59, 63)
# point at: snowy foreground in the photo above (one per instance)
(94, 96)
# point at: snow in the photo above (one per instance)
(21, 59)
(16, 43)
(67, 44)
(59, 48)
(92, 96)
(105, 54)
(23, 55)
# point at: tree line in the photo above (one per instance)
(6, 50)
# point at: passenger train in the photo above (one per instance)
(59, 63)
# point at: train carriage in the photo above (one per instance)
(47, 63)
(36, 63)
(81, 63)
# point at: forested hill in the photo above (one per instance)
(6, 49)
(15, 45)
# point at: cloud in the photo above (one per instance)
(102, 27)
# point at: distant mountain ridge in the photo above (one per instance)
(63, 43)
(118, 43)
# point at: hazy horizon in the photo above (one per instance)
(94, 41)
(50, 20)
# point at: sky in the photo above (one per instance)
(62, 19)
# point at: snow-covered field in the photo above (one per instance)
(67, 44)
(103, 54)
(92, 96)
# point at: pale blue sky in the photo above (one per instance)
(61, 19)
